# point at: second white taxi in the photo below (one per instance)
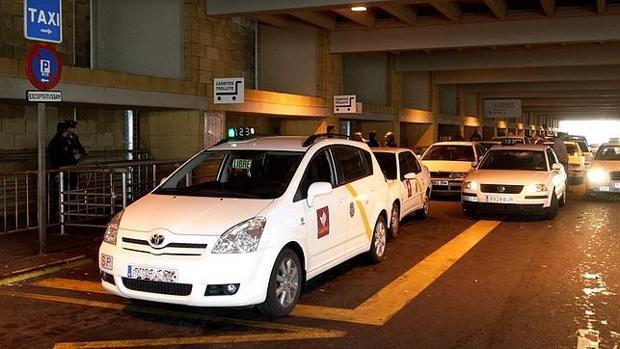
(516, 179)
(576, 162)
(409, 182)
(449, 163)
(247, 222)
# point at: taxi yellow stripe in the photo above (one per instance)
(360, 207)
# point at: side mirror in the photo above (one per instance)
(318, 189)
(556, 167)
(411, 175)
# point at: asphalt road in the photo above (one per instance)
(525, 283)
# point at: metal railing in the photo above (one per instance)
(77, 196)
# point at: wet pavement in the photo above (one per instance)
(528, 283)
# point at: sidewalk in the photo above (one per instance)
(20, 251)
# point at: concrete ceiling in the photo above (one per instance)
(562, 57)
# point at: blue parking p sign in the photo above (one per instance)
(43, 20)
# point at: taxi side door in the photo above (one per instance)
(325, 227)
(411, 189)
(355, 175)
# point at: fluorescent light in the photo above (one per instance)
(358, 8)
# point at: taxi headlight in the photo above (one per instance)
(458, 175)
(471, 185)
(537, 188)
(111, 231)
(598, 175)
(242, 238)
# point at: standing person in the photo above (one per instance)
(75, 145)
(560, 151)
(390, 140)
(372, 139)
(459, 137)
(476, 136)
(61, 155)
(331, 129)
(357, 136)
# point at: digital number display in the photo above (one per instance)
(241, 132)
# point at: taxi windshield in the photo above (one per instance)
(450, 153)
(608, 153)
(254, 174)
(520, 160)
(387, 162)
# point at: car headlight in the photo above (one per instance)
(242, 238)
(458, 175)
(471, 185)
(537, 188)
(598, 175)
(111, 231)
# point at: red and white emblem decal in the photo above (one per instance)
(322, 221)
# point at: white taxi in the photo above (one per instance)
(576, 162)
(247, 222)
(603, 176)
(516, 179)
(449, 163)
(409, 182)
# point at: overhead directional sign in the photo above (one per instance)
(502, 108)
(43, 66)
(43, 20)
(345, 104)
(228, 90)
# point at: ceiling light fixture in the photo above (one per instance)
(358, 8)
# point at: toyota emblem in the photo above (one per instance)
(501, 189)
(156, 239)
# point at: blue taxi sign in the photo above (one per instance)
(43, 20)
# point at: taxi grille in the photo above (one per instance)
(615, 175)
(172, 244)
(159, 287)
(501, 188)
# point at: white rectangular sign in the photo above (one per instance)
(502, 108)
(228, 90)
(44, 96)
(345, 104)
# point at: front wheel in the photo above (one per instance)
(377, 245)
(553, 209)
(284, 285)
(562, 202)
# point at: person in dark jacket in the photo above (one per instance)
(61, 155)
(390, 140)
(75, 145)
(475, 137)
(372, 139)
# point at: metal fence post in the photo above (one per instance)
(61, 203)
(124, 178)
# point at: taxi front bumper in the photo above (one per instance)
(250, 271)
(610, 187)
(447, 185)
(510, 203)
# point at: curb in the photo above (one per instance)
(42, 269)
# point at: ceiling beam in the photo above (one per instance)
(274, 21)
(537, 74)
(601, 6)
(321, 20)
(405, 14)
(449, 9)
(548, 6)
(498, 7)
(363, 18)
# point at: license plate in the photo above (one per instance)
(617, 185)
(499, 199)
(152, 273)
(603, 188)
(436, 182)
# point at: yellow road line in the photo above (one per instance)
(378, 309)
(72, 285)
(360, 207)
(291, 332)
(34, 274)
(301, 334)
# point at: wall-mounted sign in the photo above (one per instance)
(228, 90)
(502, 108)
(43, 20)
(43, 66)
(345, 104)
